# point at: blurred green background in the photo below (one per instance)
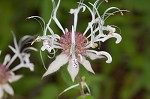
(127, 77)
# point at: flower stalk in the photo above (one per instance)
(80, 85)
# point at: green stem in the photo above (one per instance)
(81, 88)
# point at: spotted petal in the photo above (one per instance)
(56, 64)
(73, 71)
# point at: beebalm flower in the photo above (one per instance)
(7, 75)
(76, 45)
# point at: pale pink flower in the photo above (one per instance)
(7, 75)
(76, 45)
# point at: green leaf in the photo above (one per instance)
(5, 21)
(26, 84)
(49, 92)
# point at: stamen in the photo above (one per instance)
(95, 45)
(38, 39)
(121, 13)
(106, 1)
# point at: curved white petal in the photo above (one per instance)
(109, 28)
(73, 71)
(30, 66)
(7, 59)
(56, 64)
(93, 56)
(7, 88)
(54, 15)
(109, 58)
(15, 78)
(25, 65)
(115, 35)
(1, 92)
(87, 65)
(102, 53)
(38, 18)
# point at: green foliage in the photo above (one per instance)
(26, 84)
(49, 92)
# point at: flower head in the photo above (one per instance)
(76, 45)
(4, 74)
(80, 45)
(7, 75)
